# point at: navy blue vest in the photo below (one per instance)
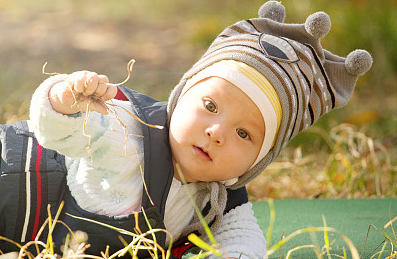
(33, 177)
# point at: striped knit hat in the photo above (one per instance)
(309, 80)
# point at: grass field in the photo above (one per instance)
(357, 159)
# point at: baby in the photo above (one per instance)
(260, 83)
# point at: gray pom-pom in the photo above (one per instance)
(358, 62)
(318, 24)
(273, 10)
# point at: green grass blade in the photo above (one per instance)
(51, 226)
(125, 245)
(353, 249)
(326, 238)
(381, 251)
(203, 245)
(390, 224)
(66, 245)
(205, 225)
(301, 247)
(135, 243)
(271, 223)
(384, 234)
(168, 254)
(153, 235)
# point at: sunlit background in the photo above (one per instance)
(165, 37)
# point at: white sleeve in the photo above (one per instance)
(103, 159)
(48, 125)
(80, 136)
(240, 235)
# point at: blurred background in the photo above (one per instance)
(349, 153)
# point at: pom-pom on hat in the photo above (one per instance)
(309, 80)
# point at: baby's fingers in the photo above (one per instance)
(77, 81)
(91, 84)
(98, 107)
(102, 87)
(110, 92)
(84, 82)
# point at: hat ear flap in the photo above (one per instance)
(343, 72)
(272, 10)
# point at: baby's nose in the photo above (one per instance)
(216, 133)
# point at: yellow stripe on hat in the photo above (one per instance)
(261, 81)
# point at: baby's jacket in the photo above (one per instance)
(33, 177)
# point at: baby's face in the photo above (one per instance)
(216, 132)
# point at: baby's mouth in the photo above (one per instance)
(202, 153)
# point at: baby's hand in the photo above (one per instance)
(80, 89)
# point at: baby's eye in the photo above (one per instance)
(243, 134)
(210, 106)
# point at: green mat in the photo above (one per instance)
(352, 217)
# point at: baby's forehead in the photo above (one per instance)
(214, 84)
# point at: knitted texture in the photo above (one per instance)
(238, 233)
(106, 179)
(238, 225)
(309, 80)
(218, 198)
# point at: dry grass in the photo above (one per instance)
(350, 165)
(75, 244)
